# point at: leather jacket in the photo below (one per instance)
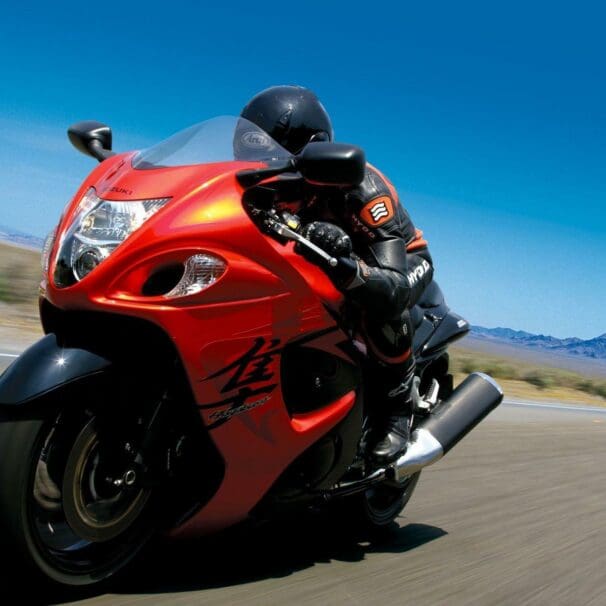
(394, 263)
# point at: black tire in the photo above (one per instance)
(375, 509)
(24, 512)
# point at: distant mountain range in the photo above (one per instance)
(573, 346)
(13, 236)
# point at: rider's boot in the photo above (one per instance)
(394, 430)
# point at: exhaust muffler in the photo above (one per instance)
(469, 403)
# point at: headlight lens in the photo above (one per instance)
(99, 227)
(200, 272)
(86, 259)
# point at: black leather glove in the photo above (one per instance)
(328, 237)
(335, 241)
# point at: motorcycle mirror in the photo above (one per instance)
(323, 163)
(92, 138)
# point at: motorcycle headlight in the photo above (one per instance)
(99, 227)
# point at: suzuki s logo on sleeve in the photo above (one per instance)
(377, 211)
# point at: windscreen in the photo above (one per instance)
(222, 139)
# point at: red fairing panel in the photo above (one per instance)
(229, 336)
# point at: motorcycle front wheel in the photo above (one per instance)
(72, 503)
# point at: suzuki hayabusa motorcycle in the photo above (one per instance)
(196, 372)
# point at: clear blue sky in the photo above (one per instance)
(490, 120)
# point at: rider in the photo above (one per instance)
(384, 264)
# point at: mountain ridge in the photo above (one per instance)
(571, 346)
(14, 236)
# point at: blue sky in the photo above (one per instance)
(490, 121)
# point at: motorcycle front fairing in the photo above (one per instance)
(229, 335)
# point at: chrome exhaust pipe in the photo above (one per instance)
(441, 430)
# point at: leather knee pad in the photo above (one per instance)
(390, 341)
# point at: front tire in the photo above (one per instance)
(58, 508)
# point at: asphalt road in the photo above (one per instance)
(515, 514)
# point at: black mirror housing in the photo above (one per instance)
(337, 164)
(92, 138)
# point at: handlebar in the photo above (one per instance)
(289, 234)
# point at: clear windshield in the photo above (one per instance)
(222, 139)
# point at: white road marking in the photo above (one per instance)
(5, 355)
(593, 409)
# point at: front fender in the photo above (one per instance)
(44, 367)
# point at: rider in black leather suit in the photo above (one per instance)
(384, 264)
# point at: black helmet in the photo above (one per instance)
(292, 115)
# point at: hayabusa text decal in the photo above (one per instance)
(247, 370)
(228, 413)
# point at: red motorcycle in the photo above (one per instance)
(196, 372)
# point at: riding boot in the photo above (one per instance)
(395, 429)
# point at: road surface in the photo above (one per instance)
(515, 514)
